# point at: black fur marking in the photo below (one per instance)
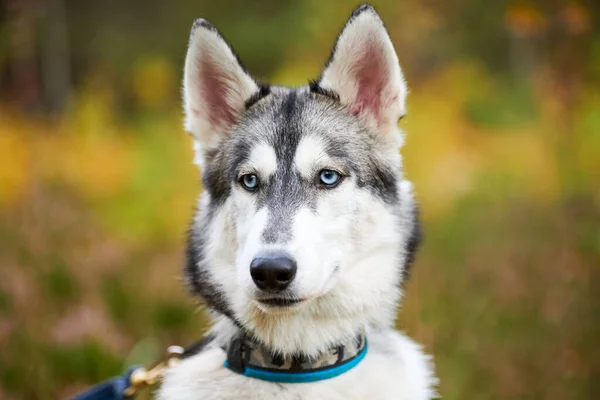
(214, 177)
(289, 106)
(198, 278)
(263, 91)
(384, 183)
(362, 8)
(277, 360)
(317, 89)
(202, 23)
(241, 153)
(197, 346)
(412, 246)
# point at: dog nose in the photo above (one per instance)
(273, 273)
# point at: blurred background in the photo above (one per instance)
(97, 183)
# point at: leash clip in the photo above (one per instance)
(142, 377)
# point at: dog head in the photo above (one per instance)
(306, 225)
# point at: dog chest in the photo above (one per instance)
(394, 368)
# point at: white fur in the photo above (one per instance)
(394, 368)
(311, 157)
(263, 160)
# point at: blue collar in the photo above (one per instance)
(250, 359)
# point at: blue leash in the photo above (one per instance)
(111, 389)
(135, 378)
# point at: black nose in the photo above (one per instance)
(273, 273)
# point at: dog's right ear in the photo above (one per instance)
(215, 86)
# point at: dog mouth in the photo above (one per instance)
(279, 302)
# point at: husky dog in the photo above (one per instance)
(306, 228)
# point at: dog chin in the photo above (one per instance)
(279, 310)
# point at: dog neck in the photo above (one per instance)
(224, 330)
(250, 358)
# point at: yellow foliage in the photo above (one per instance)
(14, 162)
(94, 106)
(528, 157)
(439, 140)
(296, 74)
(447, 154)
(96, 168)
(153, 81)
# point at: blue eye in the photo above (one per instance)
(249, 181)
(329, 177)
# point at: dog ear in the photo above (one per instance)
(363, 70)
(215, 85)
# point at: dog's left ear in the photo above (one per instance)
(364, 71)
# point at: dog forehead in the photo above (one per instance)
(293, 121)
